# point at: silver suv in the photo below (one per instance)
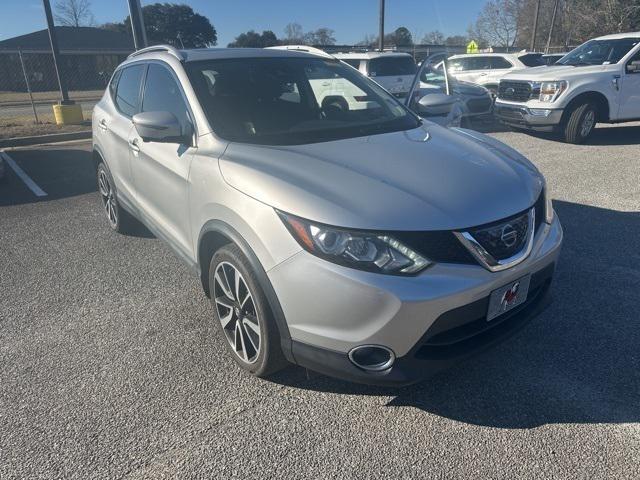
(363, 243)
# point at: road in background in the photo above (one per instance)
(111, 366)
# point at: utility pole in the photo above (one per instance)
(535, 27)
(137, 24)
(381, 27)
(53, 39)
(553, 23)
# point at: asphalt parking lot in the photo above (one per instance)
(110, 367)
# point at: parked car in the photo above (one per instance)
(365, 244)
(394, 71)
(597, 82)
(552, 58)
(475, 99)
(333, 90)
(487, 69)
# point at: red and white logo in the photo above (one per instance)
(510, 296)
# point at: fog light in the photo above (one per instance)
(374, 358)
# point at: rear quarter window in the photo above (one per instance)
(392, 66)
(532, 60)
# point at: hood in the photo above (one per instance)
(429, 178)
(553, 72)
(468, 89)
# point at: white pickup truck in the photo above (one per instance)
(597, 82)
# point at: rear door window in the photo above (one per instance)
(128, 90)
(392, 66)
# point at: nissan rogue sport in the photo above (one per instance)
(366, 244)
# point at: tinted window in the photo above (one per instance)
(162, 94)
(499, 63)
(599, 52)
(283, 101)
(532, 60)
(114, 84)
(128, 90)
(392, 66)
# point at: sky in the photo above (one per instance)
(351, 19)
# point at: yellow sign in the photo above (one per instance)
(472, 47)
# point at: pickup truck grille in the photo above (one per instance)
(515, 91)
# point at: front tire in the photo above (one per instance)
(242, 315)
(580, 123)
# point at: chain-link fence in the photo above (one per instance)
(29, 85)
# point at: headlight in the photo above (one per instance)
(550, 91)
(370, 251)
(548, 206)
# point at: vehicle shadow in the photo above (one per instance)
(615, 135)
(579, 362)
(61, 173)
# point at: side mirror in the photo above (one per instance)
(160, 127)
(436, 104)
(633, 66)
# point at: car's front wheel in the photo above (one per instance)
(580, 122)
(242, 314)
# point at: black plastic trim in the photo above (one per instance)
(218, 226)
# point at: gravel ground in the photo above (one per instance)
(110, 368)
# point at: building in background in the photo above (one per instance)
(89, 55)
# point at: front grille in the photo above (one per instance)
(515, 91)
(505, 239)
(442, 246)
(438, 246)
(479, 105)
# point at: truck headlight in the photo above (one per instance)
(364, 250)
(550, 91)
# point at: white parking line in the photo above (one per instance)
(33, 186)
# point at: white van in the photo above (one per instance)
(394, 71)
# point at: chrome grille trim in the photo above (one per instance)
(487, 260)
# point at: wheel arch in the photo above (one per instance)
(597, 98)
(213, 236)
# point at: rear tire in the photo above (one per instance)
(580, 122)
(118, 218)
(242, 315)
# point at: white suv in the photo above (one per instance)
(394, 71)
(487, 69)
(597, 82)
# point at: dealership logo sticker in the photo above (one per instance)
(510, 296)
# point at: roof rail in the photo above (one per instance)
(160, 48)
(301, 48)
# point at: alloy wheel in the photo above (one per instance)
(108, 198)
(588, 122)
(237, 312)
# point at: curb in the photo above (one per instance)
(38, 139)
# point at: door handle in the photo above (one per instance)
(103, 125)
(133, 145)
(326, 84)
(484, 74)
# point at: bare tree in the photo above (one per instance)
(74, 13)
(498, 23)
(435, 37)
(321, 36)
(293, 33)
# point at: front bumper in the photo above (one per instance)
(429, 321)
(539, 119)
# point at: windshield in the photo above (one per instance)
(392, 66)
(287, 101)
(599, 52)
